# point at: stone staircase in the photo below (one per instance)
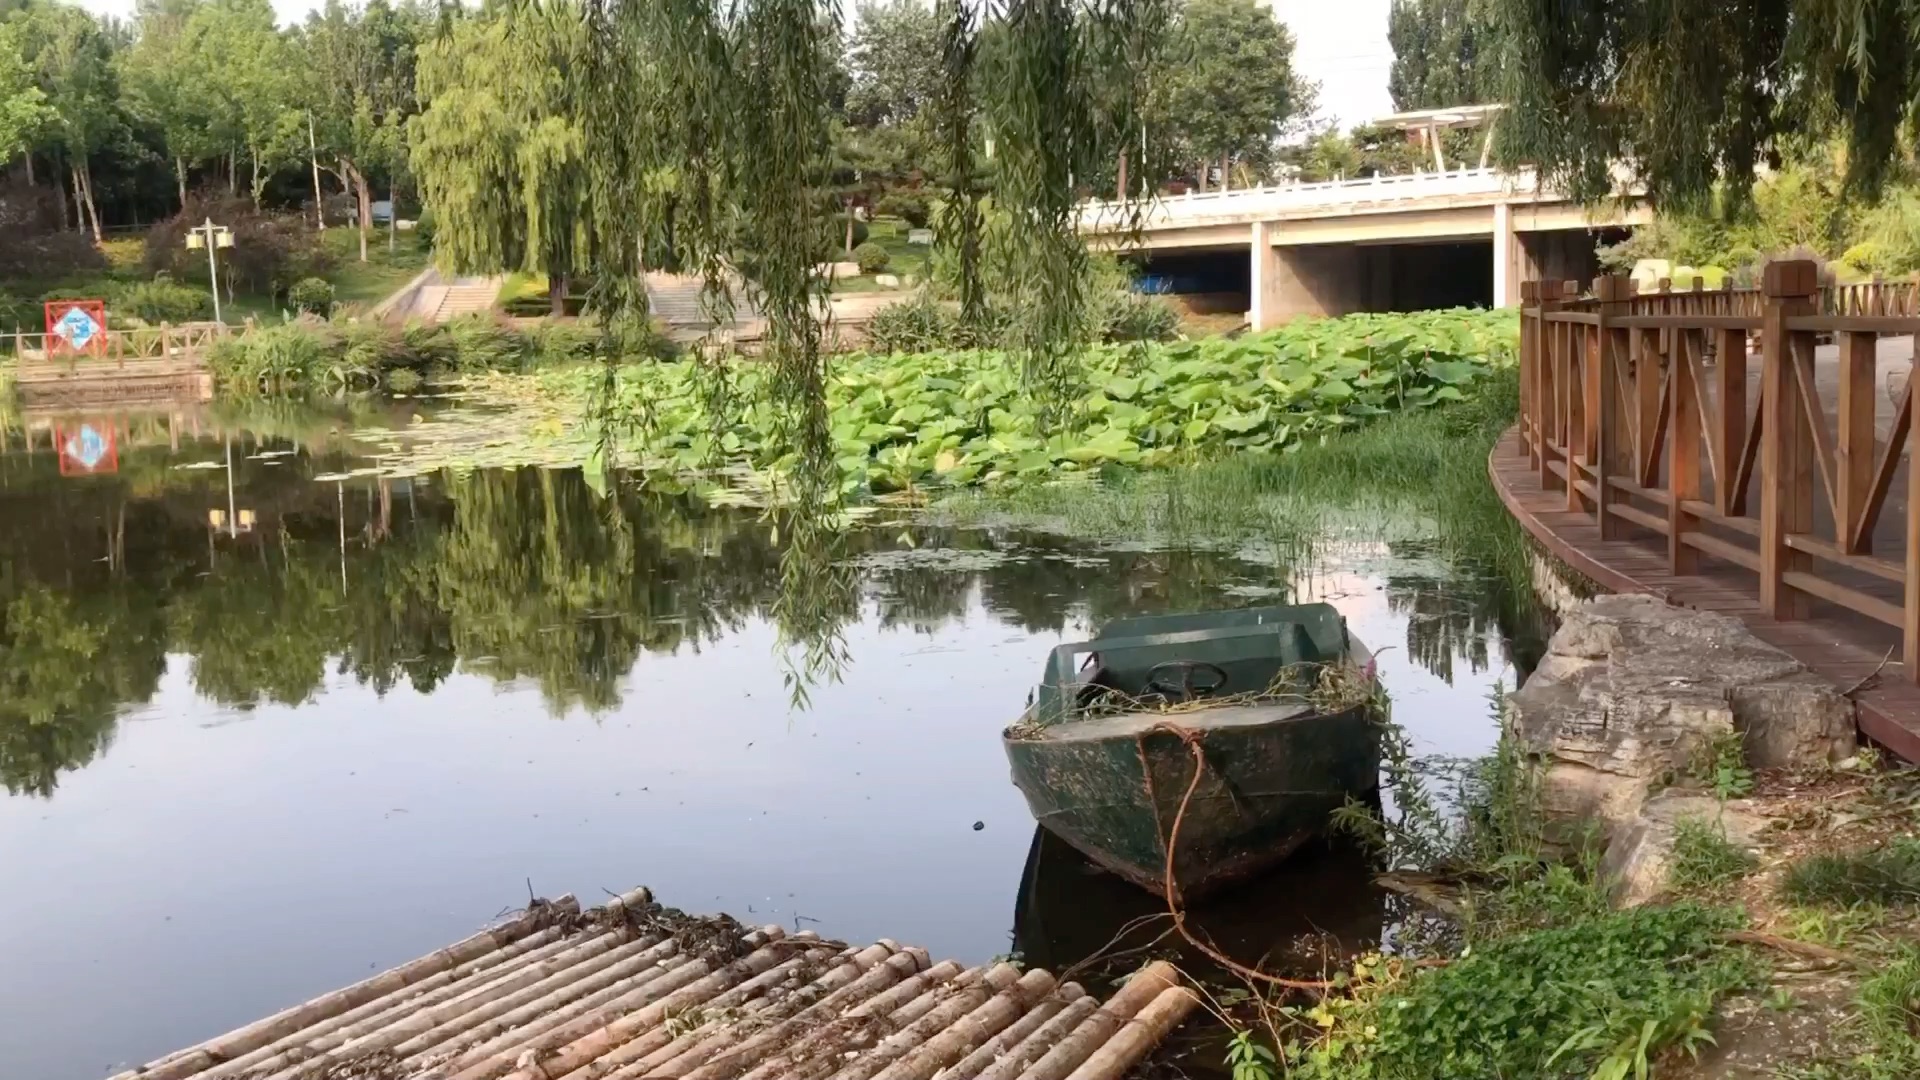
(430, 298)
(466, 296)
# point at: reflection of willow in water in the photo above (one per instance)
(526, 575)
(71, 662)
(1455, 612)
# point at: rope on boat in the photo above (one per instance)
(1195, 744)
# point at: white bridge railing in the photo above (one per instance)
(1192, 208)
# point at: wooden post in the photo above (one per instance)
(1910, 628)
(1650, 352)
(1611, 346)
(1530, 326)
(1683, 455)
(1854, 452)
(1550, 382)
(1789, 289)
(1730, 431)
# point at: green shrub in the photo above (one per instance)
(423, 228)
(313, 296)
(163, 301)
(273, 358)
(19, 313)
(906, 206)
(1129, 316)
(919, 325)
(1563, 1002)
(1887, 875)
(872, 258)
(403, 381)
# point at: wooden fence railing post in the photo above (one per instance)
(1683, 453)
(1854, 449)
(1910, 626)
(1550, 383)
(1604, 394)
(1530, 326)
(1790, 288)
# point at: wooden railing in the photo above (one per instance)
(1639, 407)
(122, 346)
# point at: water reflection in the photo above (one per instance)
(296, 691)
(518, 575)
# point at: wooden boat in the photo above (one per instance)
(1280, 702)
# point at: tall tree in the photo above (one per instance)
(499, 148)
(1230, 82)
(894, 56)
(251, 80)
(166, 84)
(23, 109)
(1444, 54)
(73, 63)
(359, 92)
(1692, 94)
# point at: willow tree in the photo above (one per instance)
(1692, 94)
(499, 148)
(709, 122)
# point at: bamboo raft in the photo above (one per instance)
(631, 990)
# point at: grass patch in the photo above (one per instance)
(1703, 857)
(368, 283)
(1887, 875)
(1604, 995)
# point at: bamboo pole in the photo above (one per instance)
(1138, 1036)
(288, 1021)
(617, 1031)
(904, 995)
(514, 1008)
(883, 975)
(944, 1008)
(1095, 1030)
(781, 1012)
(498, 1053)
(753, 1000)
(1035, 1046)
(922, 1057)
(448, 987)
(875, 1009)
(1005, 1044)
(815, 1055)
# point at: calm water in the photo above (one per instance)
(263, 733)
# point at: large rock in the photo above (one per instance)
(1633, 691)
(1639, 855)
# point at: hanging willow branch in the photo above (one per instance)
(1690, 94)
(960, 217)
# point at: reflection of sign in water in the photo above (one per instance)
(87, 450)
(77, 326)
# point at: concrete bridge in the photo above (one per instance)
(1467, 236)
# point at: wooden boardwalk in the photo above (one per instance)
(163, 362)
(1838, 644)
(632, 990)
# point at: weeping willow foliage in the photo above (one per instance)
(1067, 102)
(634, 134)
(1691, 94)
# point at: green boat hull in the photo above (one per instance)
(1272, 776)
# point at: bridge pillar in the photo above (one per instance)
(1506, 258)
(1264, 288)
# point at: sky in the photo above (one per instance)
(1342, 44)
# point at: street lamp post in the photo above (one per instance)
(212, 237)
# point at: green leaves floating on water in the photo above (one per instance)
(953, 419)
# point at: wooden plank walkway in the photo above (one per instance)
(1845, 647)
(632, 990)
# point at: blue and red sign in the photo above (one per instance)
(88, 449)
(76, 326)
